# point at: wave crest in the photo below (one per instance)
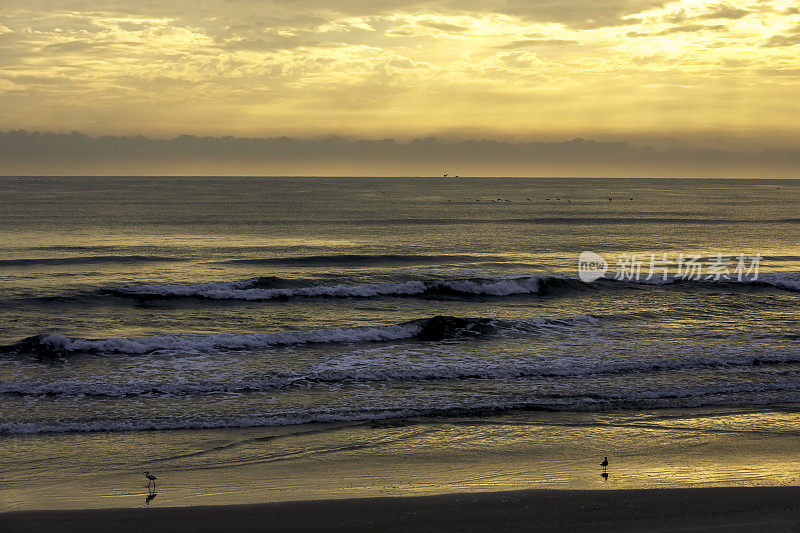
(253, 289)
(54, 345)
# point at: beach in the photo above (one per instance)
(669, 469)
(719, 509)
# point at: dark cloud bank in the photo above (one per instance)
(23, 153)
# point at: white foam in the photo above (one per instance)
(783, 280)
(228, 341)
(505, 287)
(721, 394)
(418, 363)
(58, 343)
(244, 290)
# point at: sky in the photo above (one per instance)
(686, 74)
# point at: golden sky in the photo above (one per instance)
(506, 69)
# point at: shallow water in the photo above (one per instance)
(701, 447)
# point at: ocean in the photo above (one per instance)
(139, 303)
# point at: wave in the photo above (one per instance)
(273, 288)
(360, 371)
(784, 281)
(361, 259)
(86, 260)
(252, 289)
(728, 395)
(789, 281)
(436, 328)
(577, 220)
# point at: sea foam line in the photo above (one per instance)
(359, 370)
(726, 395)
(248, 290)
(252, 289)
(57, 343)
(425, 329)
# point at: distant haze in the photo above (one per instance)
(23, 153)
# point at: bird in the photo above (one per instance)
(604, 464)
(151, 477)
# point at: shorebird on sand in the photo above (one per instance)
(604, 464)
(152, 479)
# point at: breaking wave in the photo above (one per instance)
(789, 281)
(273, 288)
(356, 370)
(435, 328)
(253, 289)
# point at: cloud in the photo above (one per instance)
(691, 28)
(781, 40)
(676, 17)
(520, 59)
(576, 14)
(532, 43)
(724, 11)
(686, 28)
(443, 26)
(573, 13)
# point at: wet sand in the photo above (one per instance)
(762, 509)
(696, 469)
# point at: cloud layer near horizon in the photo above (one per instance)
(23, 153)
(401, 68)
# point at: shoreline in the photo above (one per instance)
(657, 449)
(701, 509)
